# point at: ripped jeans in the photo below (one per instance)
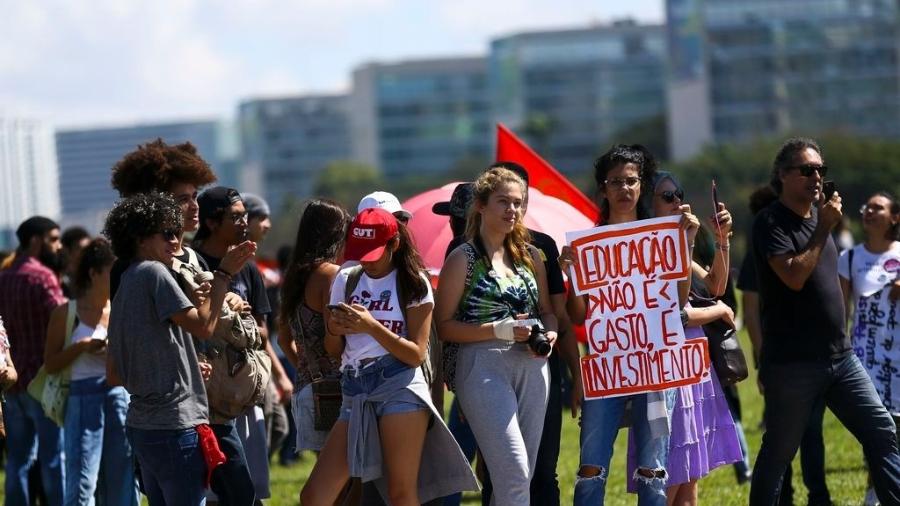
(600, 420)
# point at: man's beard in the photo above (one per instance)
(51, 260)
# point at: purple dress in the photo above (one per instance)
(703, 436)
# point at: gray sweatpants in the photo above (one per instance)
(502, 390)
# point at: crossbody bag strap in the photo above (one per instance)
(71, 316)
(850, 271)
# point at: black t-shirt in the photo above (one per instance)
(247, 283)
(805, 325)
(549, 254)
(747, 281)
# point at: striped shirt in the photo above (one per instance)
(29, 291)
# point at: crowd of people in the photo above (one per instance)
(183, 369)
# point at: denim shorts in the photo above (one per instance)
(365, 379)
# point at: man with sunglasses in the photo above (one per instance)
(224, 223)
(806, 354)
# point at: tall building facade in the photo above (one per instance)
(28, 173)
(749, 68)
(573, 92)
(285, 142)
(421, 116)
(86, 158)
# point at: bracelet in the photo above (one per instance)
(723, 247)
(221, 272)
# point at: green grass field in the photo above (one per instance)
(844, 465)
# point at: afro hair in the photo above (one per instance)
(139, 217)
(156, 166)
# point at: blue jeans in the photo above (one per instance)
(95, 437)
(600, 420)
(792, 392)
(172, 466)
(231, 481)
(29, 435)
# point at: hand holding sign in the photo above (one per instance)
(629, 273)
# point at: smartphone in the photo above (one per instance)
(828, 189)
(715, 203)
(335, 307)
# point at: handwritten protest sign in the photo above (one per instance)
(629, 273)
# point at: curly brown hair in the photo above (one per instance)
(156, 166)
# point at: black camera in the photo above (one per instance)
(538, 341)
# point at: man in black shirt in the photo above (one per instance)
(806, 355)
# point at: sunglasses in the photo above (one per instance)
(239, 217)
(170, 234)
(808, 169)
(669, 196)
(619, 183)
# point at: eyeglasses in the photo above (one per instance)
(239, 217)
(619, 183)
(170, 234)
(808, 169)
(669, 196)
(874, 208)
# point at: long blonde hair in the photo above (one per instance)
(516, 242)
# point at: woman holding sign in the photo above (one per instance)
(703, 436)
(494, 301)
(622, 174)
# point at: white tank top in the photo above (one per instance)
(88, 365)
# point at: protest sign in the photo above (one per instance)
(630, 273)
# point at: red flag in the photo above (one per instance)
(541, 174)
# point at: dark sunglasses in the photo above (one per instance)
(808, 169)
(669, 196)
(170, 234)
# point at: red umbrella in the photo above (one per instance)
(432, 234)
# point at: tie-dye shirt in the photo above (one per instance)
(487, 298)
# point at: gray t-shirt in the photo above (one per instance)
(154, 357)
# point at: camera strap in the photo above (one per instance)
(493, 274)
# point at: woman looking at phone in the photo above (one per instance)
(624, 174)
(378, 322)
(95, 412)
(493, 297)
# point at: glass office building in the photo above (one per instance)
(765, 67)
(286, 142)
(421, 116)
(572, 93)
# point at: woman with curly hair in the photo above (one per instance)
(95, 413)
(493, 295)
(151, 349)
(378, 322)
(624, 176)
(304, 298)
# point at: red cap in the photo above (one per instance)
(369, 234)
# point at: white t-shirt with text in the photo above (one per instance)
(379, 296)
(875, 328)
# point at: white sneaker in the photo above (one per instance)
(871, 498)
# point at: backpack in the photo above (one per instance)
(432, 365)
(237, 352)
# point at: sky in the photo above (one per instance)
(84, 63)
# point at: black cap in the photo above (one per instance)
(459, 201)
(214, 200)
